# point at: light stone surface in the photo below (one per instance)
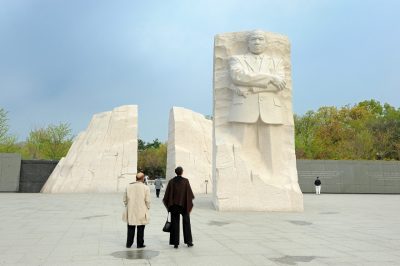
(86, 229)
(190, 146)
(103, 158)
(254, 163)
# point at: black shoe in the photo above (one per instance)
(190, 245)
(128, 246)
(175, 246)
(141, 246)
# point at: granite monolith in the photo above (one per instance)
(190, 146)
(103, 158)
(254, 162)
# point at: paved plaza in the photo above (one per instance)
(86, 229)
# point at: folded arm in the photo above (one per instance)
(241, 76)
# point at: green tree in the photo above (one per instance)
(7, 141)
(52, 142)
(386, 131)
(3, 124)
(304, 134)
(367, 130)
(141, 145)
(152, 158)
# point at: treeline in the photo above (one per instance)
(50, 143)
(152, 158)
(365, 131)
(368, 130)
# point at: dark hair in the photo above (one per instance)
(178, 170)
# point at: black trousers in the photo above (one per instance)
(131, 235)
(158, 192)
(176, 211)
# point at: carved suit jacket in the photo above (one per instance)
(252, 77)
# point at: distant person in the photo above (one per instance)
(178, 199)
(158, 185)
(137, 202)
(146, 180)
(317, 184)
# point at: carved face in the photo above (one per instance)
(257, 43)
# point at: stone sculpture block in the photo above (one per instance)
(103, 158)
(254, 163)
(189, 146)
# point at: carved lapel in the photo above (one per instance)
(250, 62)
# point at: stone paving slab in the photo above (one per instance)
(86, 229)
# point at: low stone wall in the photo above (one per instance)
(10, 164)
(376, 177)
(34, 173)
(350, 176)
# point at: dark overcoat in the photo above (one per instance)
(179, 192)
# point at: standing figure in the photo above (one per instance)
(158, 185)
(256, 112)
(253, 158)
(178, 199)
(137, 202)
(317, 184)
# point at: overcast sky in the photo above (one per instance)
(63, 61)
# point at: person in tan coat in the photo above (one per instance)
(136, 214)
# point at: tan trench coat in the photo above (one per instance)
(137, 202)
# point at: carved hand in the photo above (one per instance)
(239, 92)
(279, 82)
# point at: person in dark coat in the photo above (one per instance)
(178, 199)
(317, 184)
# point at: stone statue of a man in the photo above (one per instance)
(257, 80)
(254, 161)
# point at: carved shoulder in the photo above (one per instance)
(236, 61)
(236, 58)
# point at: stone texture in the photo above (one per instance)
(103, 158)
(189, 146)
(10, 164)
(340, 176)
(86, 229)
(34, 174)
(254, 165)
